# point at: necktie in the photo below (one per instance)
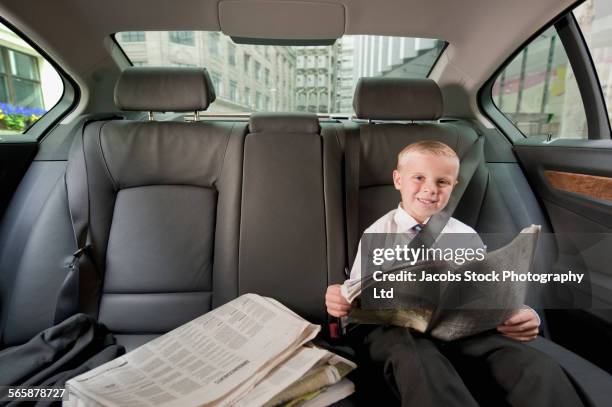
(417, 228)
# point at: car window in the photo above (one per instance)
(595, 20)
(538, 91)
(29, 85)
(317, 79)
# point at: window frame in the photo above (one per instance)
(582, 65)
(67, 102)
(585, 72)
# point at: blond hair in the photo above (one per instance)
(428, 147)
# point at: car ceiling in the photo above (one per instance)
(481, 33)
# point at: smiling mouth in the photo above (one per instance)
(427, 201)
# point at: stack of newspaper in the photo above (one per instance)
(252, 351)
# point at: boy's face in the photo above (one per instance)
(425, 182)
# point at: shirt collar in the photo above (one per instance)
(404, 221)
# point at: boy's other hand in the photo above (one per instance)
(337, 305)
(522, 326)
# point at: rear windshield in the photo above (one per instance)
(317, 79)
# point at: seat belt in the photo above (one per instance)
(350, 140)
(80, 289)
(352, 148)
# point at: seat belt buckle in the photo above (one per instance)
(337, 329)
(78, 254)
(334, 330)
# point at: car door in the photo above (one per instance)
(550, 102)
(34, 95)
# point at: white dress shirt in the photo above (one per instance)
(399, 221)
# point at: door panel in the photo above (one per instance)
(576, 157)
(583, 230)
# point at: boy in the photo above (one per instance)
(423, 371)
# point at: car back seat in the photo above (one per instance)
(186, 216)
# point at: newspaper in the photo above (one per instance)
(222, 358)
(325, 396)
(308, 369)
(455, 310)
(328, 371)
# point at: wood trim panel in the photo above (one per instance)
(590, 185)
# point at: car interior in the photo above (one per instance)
(182, 208)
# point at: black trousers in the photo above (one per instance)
(401, 366)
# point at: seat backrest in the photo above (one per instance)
(164, 203)
(283, 241)
(403, 101)
(402, 111)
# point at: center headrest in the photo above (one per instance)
(397, 99)
(284, 123)
(158, 89)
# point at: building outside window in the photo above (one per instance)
(20, 79)
(247, 96)
(213, 43)
(322, 81)
(258, 101)
(217, 81)
(182, 37)
(322, 61)
(233, 91)
(274, 78)
(133, 36)
(247, 62)
(231, 54)
(29, 85)
(257, 71)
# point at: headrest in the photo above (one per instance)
(284, 123)
(397, 99)
(157, 89)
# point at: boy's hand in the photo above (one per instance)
(337, 305)
(522, 326)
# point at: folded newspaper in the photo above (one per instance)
(252, 351)
(451, 310)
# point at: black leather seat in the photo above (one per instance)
(164, 214)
